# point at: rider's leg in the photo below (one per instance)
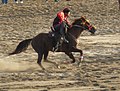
(21, 1)
(63, 30)
(60, 35)
(56, 37)
(16, 1)
(57, 42)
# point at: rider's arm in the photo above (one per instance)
(68, 23)
(61, 17)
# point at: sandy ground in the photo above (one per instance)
(100, 70)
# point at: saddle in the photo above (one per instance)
(58, 39)
(52, 33)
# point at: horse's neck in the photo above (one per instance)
(76, 31)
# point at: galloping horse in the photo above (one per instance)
(42, 43)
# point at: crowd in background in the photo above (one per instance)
(21, 1)
(16, 1)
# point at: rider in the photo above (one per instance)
(60, 25)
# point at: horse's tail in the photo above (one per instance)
(22, 46)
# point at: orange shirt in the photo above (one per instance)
(62, 17)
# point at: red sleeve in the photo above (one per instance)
(61, 16)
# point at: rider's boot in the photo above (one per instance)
(64, 39)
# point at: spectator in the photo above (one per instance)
(4, 1)
(16, 1)
(54, 0)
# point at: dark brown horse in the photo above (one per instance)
(43, 43)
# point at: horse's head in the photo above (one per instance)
(85, 24)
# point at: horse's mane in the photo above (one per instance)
(76, 21)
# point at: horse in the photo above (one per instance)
(43, 43)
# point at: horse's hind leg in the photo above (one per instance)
(39, 60)
(46, 60)
(70, 56)
(45, 55)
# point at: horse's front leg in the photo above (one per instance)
(74, 49)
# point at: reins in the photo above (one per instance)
(78, 26)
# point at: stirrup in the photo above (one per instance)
(66, 41)
(54, 49)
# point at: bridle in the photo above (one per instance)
(84, 22)
(79, 26)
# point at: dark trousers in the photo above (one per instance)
(60, 28)
(4, 1)
(60, 31)
(17, 0)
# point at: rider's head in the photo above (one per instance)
(66, 11)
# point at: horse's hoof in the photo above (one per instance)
(72, 62)
(67, 62)
(46, 72)
(79, 64)
(43, 69)
(81, 59)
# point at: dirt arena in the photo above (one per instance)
(100, 70)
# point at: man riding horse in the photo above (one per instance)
(42, 43)
(60, 25)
